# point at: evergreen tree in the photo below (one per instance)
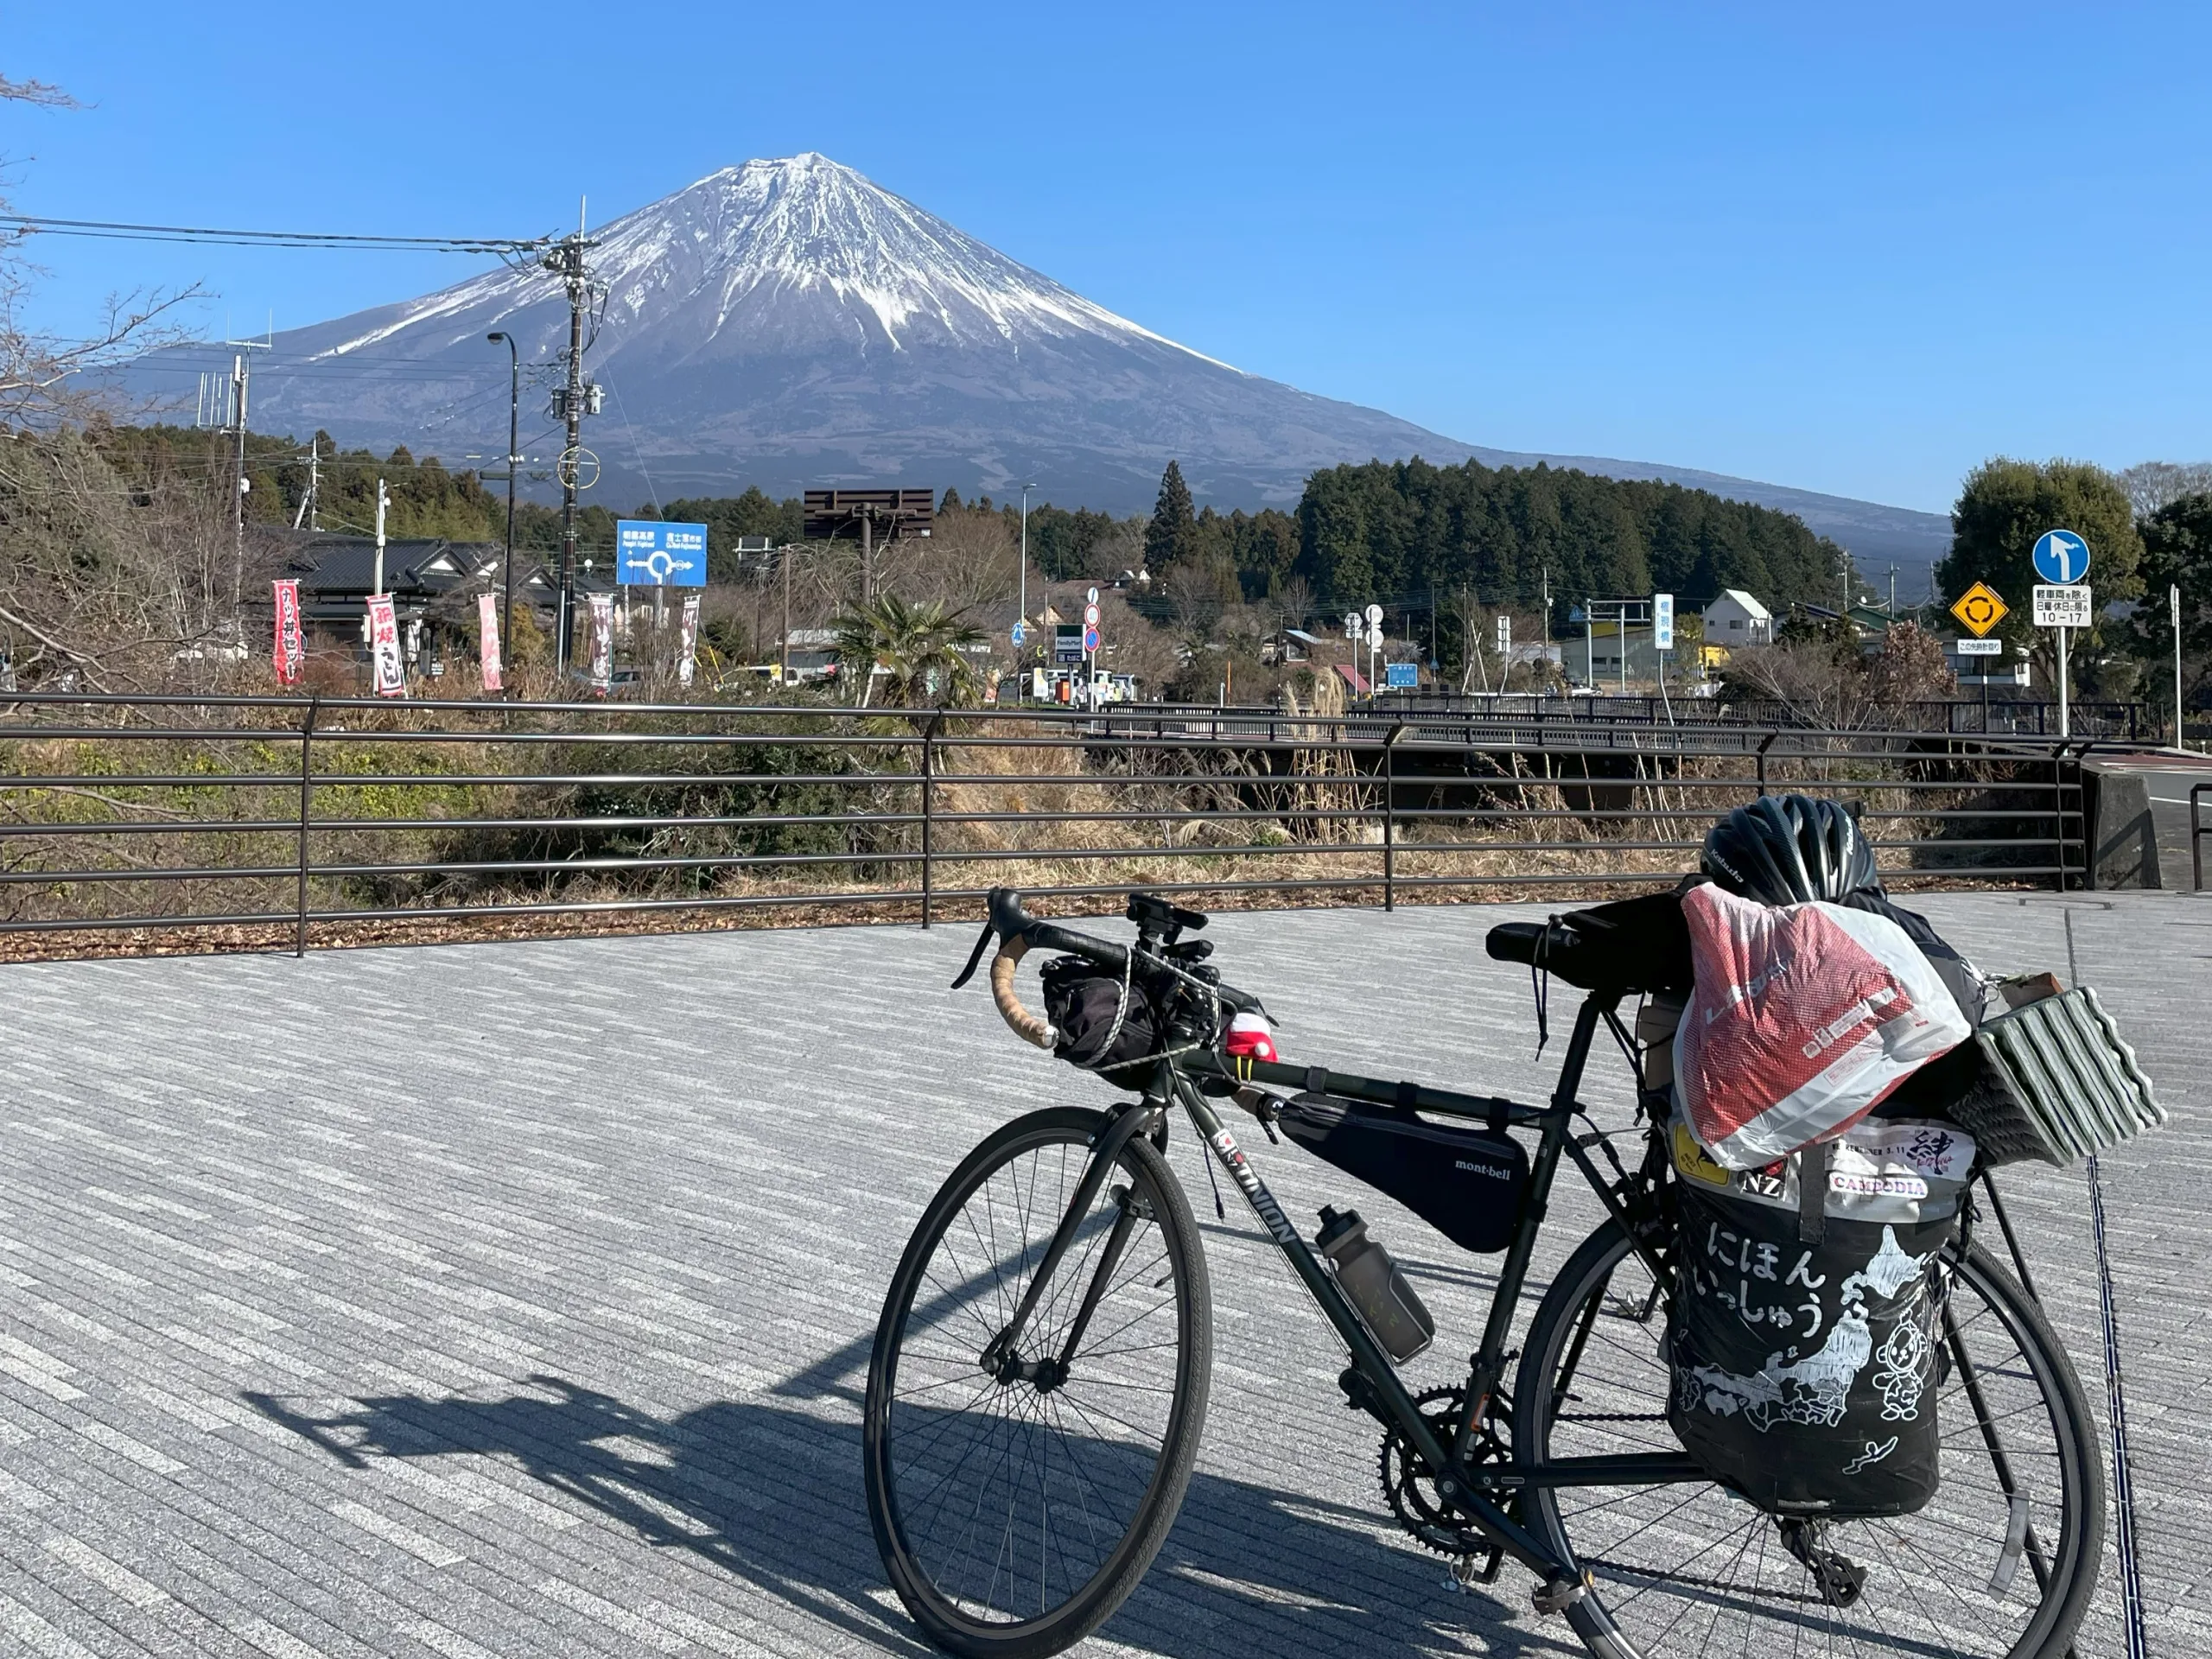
(952, 503)
(1173, 535)
(2005, 505)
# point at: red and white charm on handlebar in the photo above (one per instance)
(1249, 1038)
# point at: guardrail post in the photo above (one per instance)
(307, 791)
(1764, 747)
(929, 806)
(1389, 816)
(2197, 830)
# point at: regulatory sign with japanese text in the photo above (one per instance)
(2062, 558)
(1090, 616)
(1981, 647)
(649, 553)
(2062, 606)
(1979, 609)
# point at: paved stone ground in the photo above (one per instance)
(514, 1300)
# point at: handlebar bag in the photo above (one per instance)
(1106, 1025)
(1803, 1337)
(1802, 1018)
(1468, 1184)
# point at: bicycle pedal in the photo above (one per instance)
(1560, 1594)
(1465, 1574)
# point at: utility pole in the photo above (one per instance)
(237, 550)
(514, 465)
(868, 557)
(784, 646)
(239, 376)
(566, 261)
(383, 500)
(310, 512)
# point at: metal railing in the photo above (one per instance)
(1952, 716)
(305, 817)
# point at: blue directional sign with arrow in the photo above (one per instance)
(652, 554)
(2061, 557)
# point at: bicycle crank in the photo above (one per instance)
(1409, 1485)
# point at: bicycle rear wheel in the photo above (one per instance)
(1018, 1493)
(1999, 1564)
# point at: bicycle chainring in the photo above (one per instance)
(1409, 1484)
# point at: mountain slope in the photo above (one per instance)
(787, 323)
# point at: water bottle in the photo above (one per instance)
(1374, 1284)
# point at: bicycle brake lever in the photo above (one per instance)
(974, 956)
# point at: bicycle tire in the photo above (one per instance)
(1777, 1612)
(899, 1427)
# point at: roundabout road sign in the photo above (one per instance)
(1979, 609)
(2061, 557)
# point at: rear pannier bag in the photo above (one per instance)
(1803, 1017)
(1467, 1183)
(1104, 1024)
(1804, 1338)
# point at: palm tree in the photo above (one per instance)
(923, 649)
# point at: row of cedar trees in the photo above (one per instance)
(1397, 533)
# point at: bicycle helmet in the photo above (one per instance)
(1789, 849)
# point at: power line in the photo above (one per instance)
(110, 230)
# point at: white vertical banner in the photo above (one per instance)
(602, 641)
(388, 674)
(488, 639)
(687, 661)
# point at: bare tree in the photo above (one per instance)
(2154, 484)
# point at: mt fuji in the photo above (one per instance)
(788, 323)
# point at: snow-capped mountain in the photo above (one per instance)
(788, 322)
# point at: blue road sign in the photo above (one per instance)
(650, 554)
(1090, 638)
(2061, 557)
(1020, 636)
(1404, 674)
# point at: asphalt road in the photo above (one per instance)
(515, 1299)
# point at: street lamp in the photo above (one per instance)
(1024, 617)
(514, 461)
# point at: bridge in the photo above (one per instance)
(515, 1299)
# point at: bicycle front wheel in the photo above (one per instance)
(1020, 1490)
(1999, 1564)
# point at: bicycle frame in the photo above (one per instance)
(1480, 1492)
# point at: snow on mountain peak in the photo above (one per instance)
(798, 247)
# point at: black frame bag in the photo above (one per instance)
(1469, 1184)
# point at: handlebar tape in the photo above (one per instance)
(1028, 1026)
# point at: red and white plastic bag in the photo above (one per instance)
(1803, 1017)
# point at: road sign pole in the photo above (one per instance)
(2065, 732)
(2173, 604)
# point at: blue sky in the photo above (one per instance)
(1850, 248)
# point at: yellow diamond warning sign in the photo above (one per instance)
(1979, 610)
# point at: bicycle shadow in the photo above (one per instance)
(772, 1495)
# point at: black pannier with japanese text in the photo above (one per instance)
(1467, 1183)
(1805, 1334)
(1105, 1024)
